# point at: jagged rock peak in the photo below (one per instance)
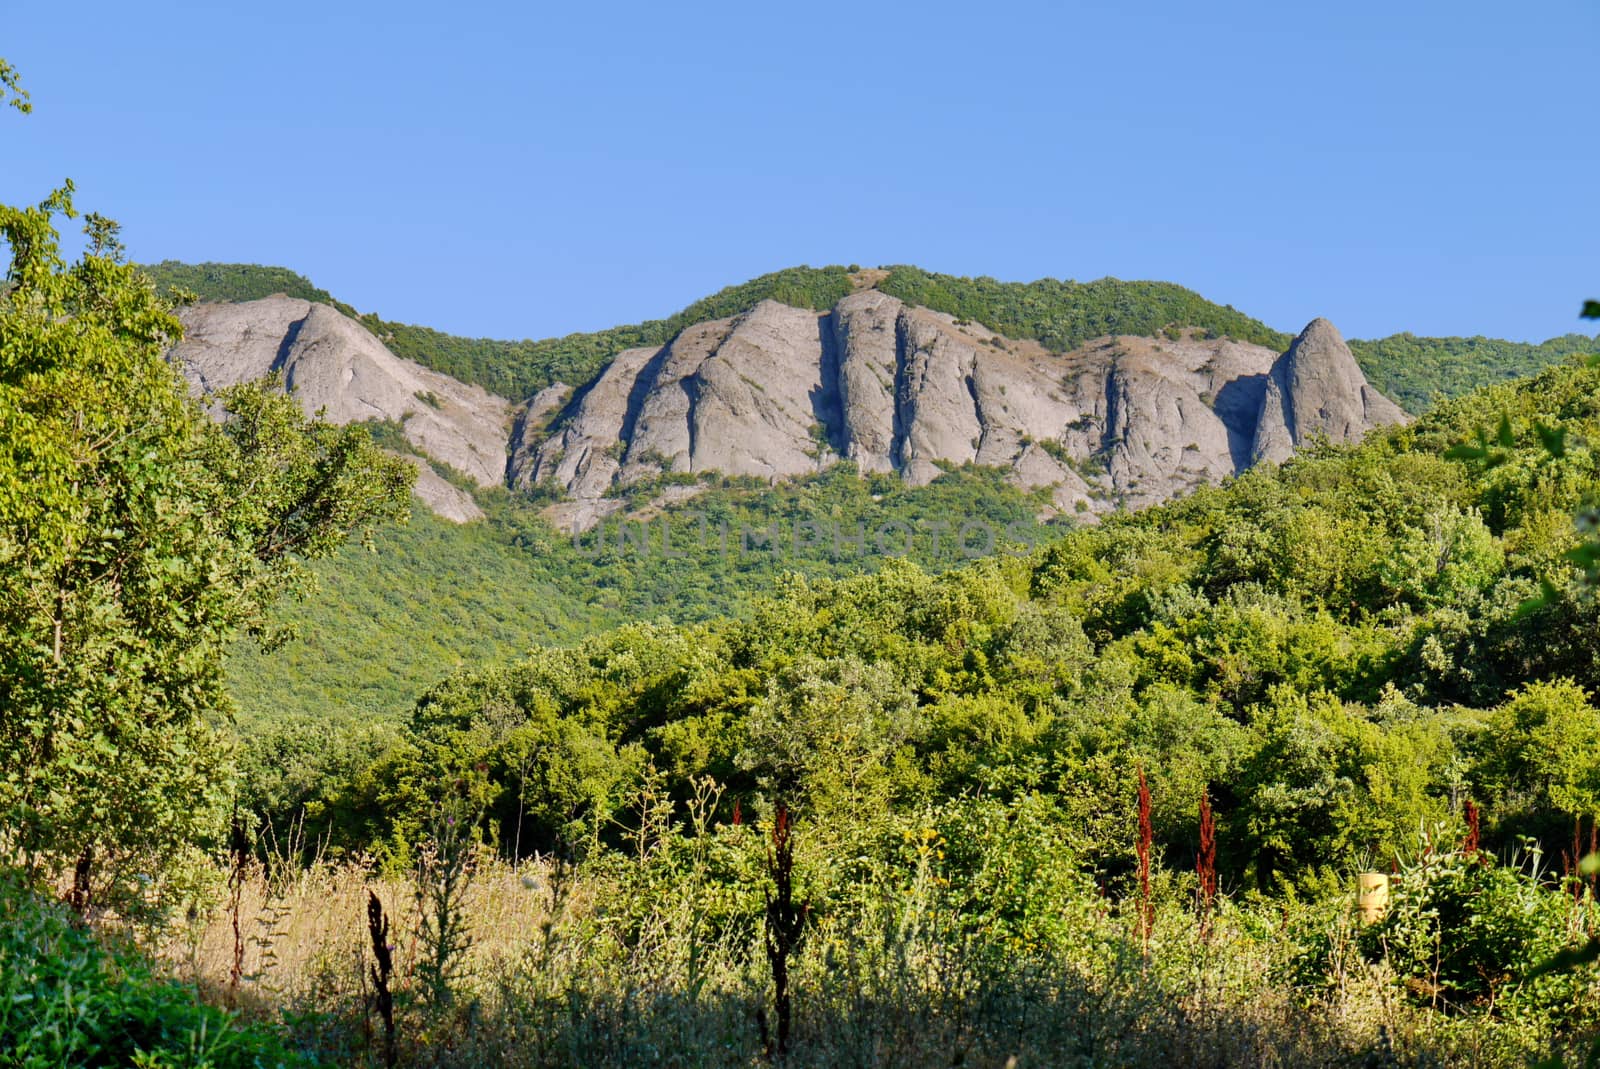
(779, 392)
(333, 365)
(1317, 389)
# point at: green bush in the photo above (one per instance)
(1463, 932)
(65, 1001)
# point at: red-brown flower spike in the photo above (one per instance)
(1146, 837)
(1205, 864)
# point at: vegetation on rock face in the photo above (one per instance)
(236, 282)
(1063, 315)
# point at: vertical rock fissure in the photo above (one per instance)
(902, 393)
(286, 349)
(643, 385)
(971, 383)
(1290, 420)
(1110, 433)
(827, 407)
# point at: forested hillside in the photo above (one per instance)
(1063, 315)
(1123, 775)
(384, 625)
(1415, 372)
(923, 678)
(236, 282)
(1342, 646)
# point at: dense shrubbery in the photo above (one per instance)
(1064, 315)
(67, 1002)
(1416, 372)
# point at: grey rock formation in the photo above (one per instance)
(584, 454)
(1316, 389)
(780, 392)
(866, 347)
(529, 425)
(442, 498)
(334, 365)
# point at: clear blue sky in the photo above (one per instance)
(528, 169)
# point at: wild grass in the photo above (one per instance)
(650, 964)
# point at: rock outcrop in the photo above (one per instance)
(442, 498)
(333, 365)
(780, 392)
(1316, 390)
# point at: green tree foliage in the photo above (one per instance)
(67, 1001)
(1542, 751)
(1417, 372)
(1063, 315)
(236, 282)
(136, 537)
(1335, 650)
(11, 90)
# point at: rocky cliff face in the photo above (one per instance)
(334, 365)
(779, 392)
(1317, 390)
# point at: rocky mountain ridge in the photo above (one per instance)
(780, 392)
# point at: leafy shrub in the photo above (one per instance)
(1463, 932)
(67, 1001)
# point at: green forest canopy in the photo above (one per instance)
(384, 626)
(1340, 648)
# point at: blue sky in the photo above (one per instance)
(523, 170)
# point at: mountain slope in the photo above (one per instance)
(780, 392)
(1419, 372)
(384, 625)
(1413, 371)
(1058, 314)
